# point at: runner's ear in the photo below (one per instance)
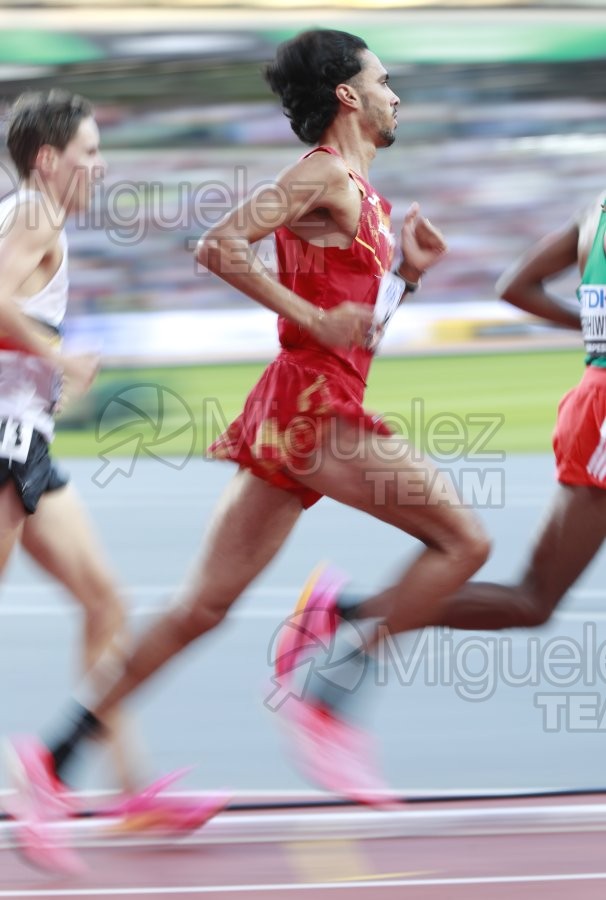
(347, 95)
(47, 159)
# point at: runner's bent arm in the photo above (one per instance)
(22, 249)
(522, 284)
(226, 249)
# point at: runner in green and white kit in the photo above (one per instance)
(575, 526)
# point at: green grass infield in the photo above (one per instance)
(506, 401)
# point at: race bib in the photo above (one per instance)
(593, 315)
(389, 297)
(15, 439)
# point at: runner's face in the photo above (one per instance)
(379, 102)
(79, 166)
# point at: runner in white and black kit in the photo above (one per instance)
(53, 141)
(30, 385)
(54, 144)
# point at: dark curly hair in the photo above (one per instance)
(39, 118)
(305, 73)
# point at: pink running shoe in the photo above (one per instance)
(43, 847)
(314, 621)
(336, 755)
(41, 801)
(32, 772)
(149, 811)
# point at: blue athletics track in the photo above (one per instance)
(496, 742)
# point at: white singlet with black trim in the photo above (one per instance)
(29, 385)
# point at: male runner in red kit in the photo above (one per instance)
(304, 432)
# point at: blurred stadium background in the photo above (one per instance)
(501, 137)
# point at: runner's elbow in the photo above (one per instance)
(505, 287)
(207, 252)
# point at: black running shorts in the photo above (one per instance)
(35, 476)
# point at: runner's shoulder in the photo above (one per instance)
(30, 223)
(318, 168)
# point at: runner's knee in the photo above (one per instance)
(106, 613)
(469, 546)
(536, 614)
(195, 619)
(537, 606)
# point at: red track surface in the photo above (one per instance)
(501, 867)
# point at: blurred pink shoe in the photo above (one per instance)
(314, 621)
(40, 802)
(31, 769)
(42, 847)
(336, 755)
(170, 816)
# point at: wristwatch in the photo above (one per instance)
(409, 286)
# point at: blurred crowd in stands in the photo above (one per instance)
(497, 154)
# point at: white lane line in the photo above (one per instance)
(292, 797)
(64, 610)
(72, 610)
(280, 827)
(190, 890)
(271, 591)
(253, 593)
